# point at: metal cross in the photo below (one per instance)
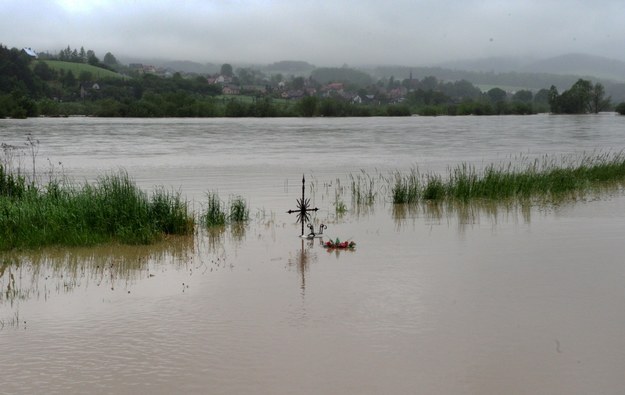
(303, 207)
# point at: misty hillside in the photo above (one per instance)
(510, 73)
(289, 67)
(568, 64)
(183, 66)
(491, 64)
(580, 64)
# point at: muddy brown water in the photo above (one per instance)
(476, 299)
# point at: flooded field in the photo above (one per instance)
(435, 299)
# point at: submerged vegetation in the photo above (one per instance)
(540, 178)
(113, 209)
(238, 210)
(363, 189)
(216, 214)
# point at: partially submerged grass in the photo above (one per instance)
(363, 188)
(407, 188)
(113, 209)
(546, 178)
(238, 210)
(339, 206)
(216, 214)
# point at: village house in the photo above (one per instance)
(397, 95)
(143, 68)
(30, 52)
(262, 89)
(231, 90)
(293, 94)
(88, 88)
(366, 99)
(223, 79)
(334, 87)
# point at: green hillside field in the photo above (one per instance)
(77, 68)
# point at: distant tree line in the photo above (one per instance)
(430, 96)
(534, 81)
(30, 87)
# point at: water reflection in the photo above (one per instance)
(215, 238)
(410, 309)
(237, 233)
(40, 274)
(302, 259)
(463, 214)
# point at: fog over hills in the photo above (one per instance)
(509, 73)
(580, 64)
(575, 64)
(568, 64)
(490, 70)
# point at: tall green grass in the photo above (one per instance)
(113, 209)
(407, 188)
(238, 210)
(545, 177)
(216, 214)
(12, 185)
(363, 188)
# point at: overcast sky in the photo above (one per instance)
(324, 33)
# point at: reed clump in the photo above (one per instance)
(239, 212)
(407, 188)
(363, 188)
(113, 209)
(545, 177)
(216, 214)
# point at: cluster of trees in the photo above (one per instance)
(432, 97)
(583, 97)
(533, 81)
(18, 85)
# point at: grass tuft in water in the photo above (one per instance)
(363, 188)
(239, 212)
(545, 177)
(215, 214)
(113, 209)
(11, 185)
(339, 206)
(406, 188)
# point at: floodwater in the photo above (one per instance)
(475, 299)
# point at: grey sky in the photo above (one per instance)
(325, 33)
